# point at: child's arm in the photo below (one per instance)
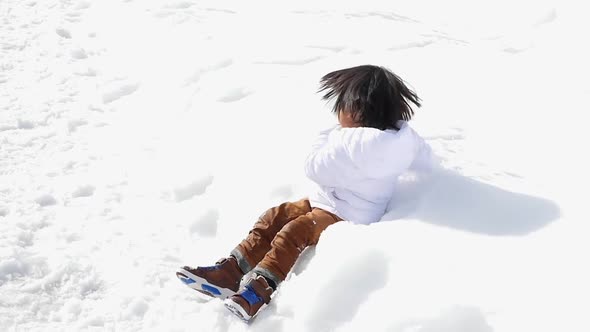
(425, 159)
(321, 164)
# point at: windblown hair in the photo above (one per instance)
(374, 96)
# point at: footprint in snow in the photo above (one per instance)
(63, 33)
(83, 5)
(136, 308)
(119, 92)
(84, 191)
(46, 200)
(78, 54)
(197, 187)
(88, 71)
(234, 95)
(548, 18)
(74, 124)
(206, 223)
(25, 124)
(7, 127)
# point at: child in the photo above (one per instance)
(355, 165)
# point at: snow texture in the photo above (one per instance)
(140, 136)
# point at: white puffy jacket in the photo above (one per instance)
(356, 168)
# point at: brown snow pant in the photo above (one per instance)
(279, 236)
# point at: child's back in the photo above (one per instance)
(356, 169)
(357, 163)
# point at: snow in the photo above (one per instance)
(139, 136)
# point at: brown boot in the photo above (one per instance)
(221, 280)
(254, 296)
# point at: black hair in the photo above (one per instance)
(373, 95)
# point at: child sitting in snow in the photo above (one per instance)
(355, 165)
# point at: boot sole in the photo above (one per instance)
(202, 285)
(237, 310)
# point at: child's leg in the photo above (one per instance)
(290, 242)
(252, 249)
(297, 234)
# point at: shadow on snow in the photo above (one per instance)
(452, 200)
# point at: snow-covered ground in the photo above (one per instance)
(138, 136)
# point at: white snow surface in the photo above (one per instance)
(139, 136)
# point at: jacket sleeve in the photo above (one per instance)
(324, 161)
(425, 160)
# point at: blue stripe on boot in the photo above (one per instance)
(250, 296)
